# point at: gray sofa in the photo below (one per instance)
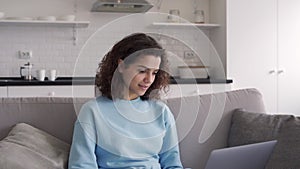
(203, 121)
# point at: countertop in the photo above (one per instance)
(17, 81)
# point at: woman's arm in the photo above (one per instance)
(82, 154)
(170, 159)
(169, 156)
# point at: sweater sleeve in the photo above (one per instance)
(169, 156)
(82, 153)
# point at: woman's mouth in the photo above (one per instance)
(143, 87)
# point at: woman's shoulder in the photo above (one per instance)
(90, 109)
(166, 112)
(159, 103)
(95, 101)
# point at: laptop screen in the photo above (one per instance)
(250, 156)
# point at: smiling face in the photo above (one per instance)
(139, 75)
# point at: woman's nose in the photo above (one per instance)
(149, 78)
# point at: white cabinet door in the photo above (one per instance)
(182, 90)
(3, 91)
(51, 91)
(289, 56)
(252, 47)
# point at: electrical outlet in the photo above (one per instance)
(189, 54)
(25, 54)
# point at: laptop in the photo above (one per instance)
(250, 156)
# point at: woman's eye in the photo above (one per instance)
(147, 71)
(142, 71)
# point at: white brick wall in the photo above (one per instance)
(53, 47)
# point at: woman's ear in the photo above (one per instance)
(121, 65)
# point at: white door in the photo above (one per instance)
(289, 56)
(252, 47)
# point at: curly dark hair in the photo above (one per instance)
(110, 82)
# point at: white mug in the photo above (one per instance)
(52, 76)
(41, 74)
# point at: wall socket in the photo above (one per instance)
(189, 54)
(25, 54)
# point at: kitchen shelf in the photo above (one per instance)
(201, 26)
(77, 24)
(69, 24)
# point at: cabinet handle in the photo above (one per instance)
(280, 71)
(51, 94)
(272, 71)
(198, 91)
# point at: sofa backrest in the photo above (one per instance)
(208, 128)
(202, 121)
(53, 115)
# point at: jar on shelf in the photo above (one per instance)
(174, 15)
(199, 16)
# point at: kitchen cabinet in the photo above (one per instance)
(3, 91)
(263, 52)
(288, 56)
(175, 90)
(182, 90)
(251, 46)
(51, 91)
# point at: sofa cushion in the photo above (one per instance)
(251, 127)
(28, 147)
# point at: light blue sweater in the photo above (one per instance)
(119, 134)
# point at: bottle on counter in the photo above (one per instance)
(25, 71)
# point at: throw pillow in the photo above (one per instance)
(28, 147)
(251, 127)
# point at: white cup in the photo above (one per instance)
(52, 76)
(2, 14)
(41, 74)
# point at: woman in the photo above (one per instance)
(127, 127)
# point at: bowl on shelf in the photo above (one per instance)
(66, 18)
(191, 72)
(19, 18)
(46, 18)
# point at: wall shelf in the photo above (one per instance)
(201, 26)
(68, 24)
(77, 24)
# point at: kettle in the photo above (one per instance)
(25, 71)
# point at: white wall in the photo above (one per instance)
(218, 37)
(53, 47)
